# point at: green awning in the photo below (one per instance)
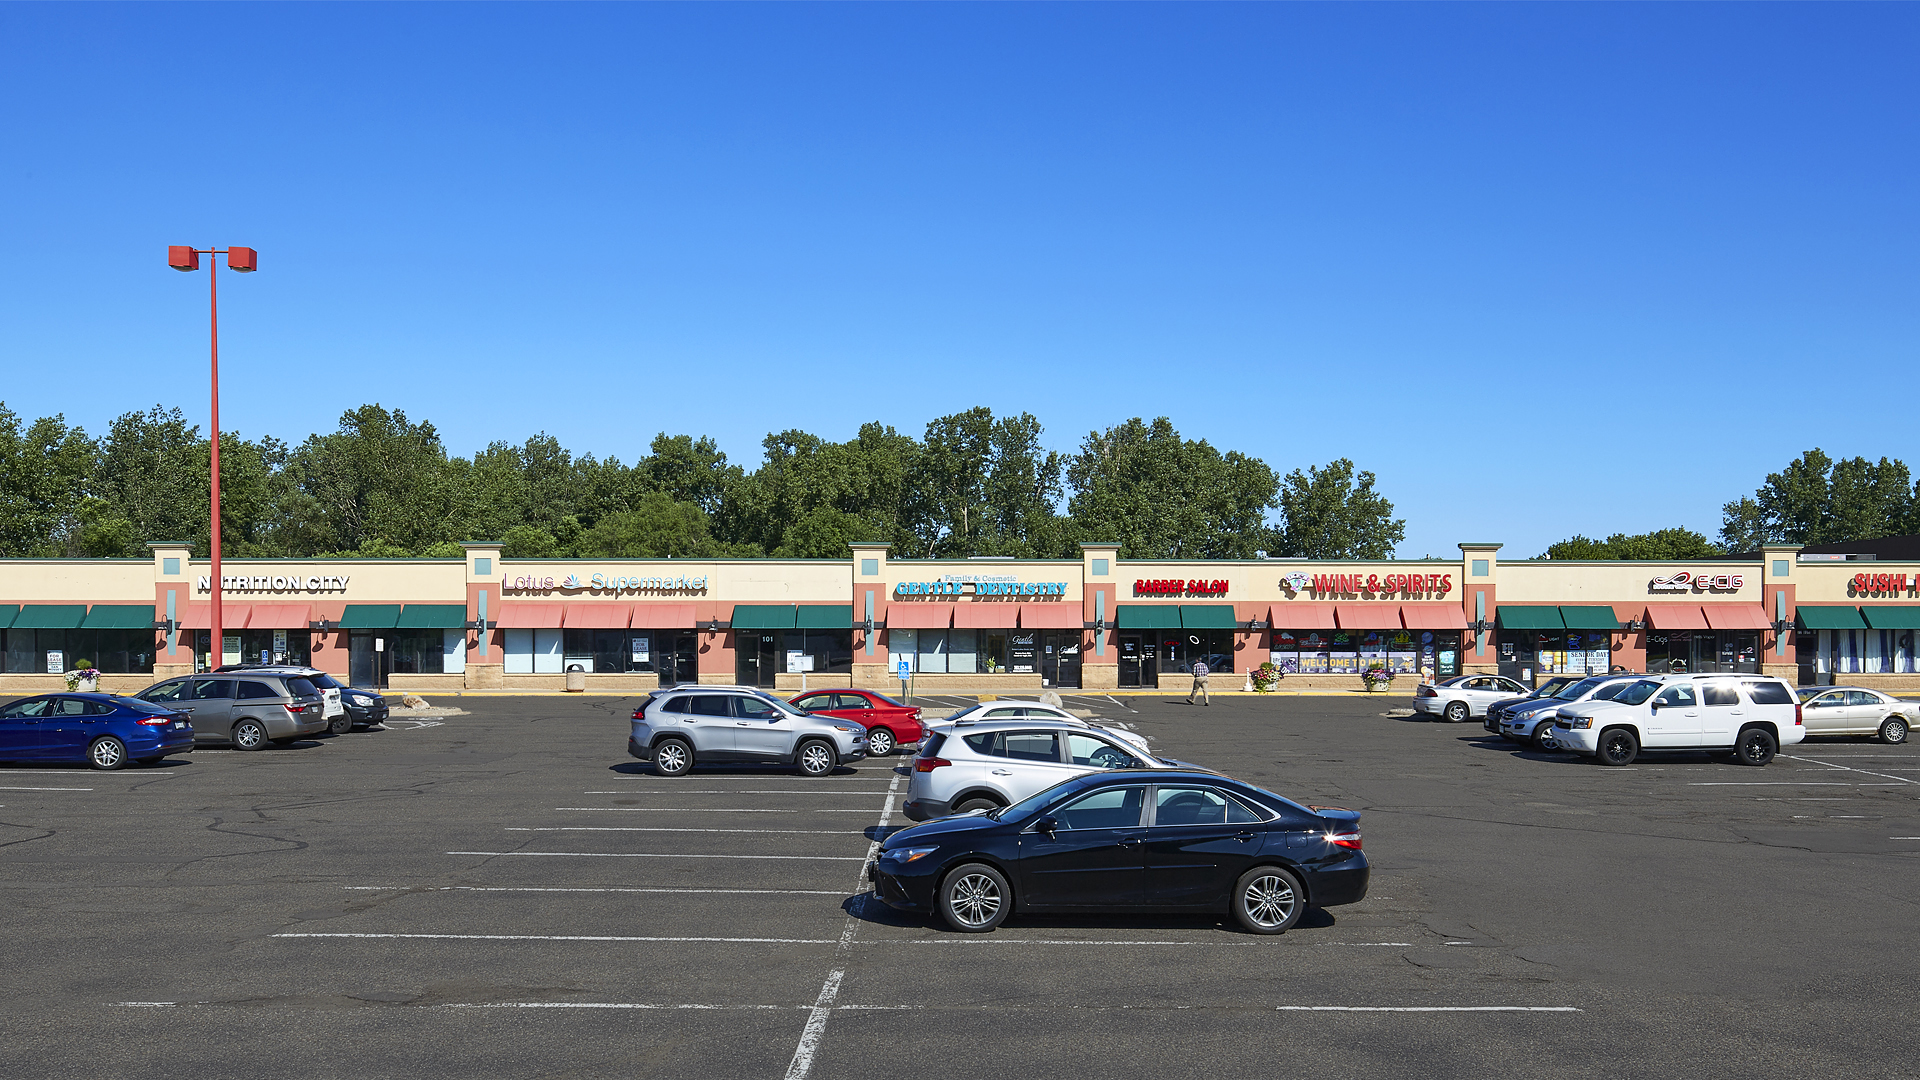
(7, 612)
(1831, 617)
(433, 617)
(824, 617)
(1529, 617)
(1891, 616)
(119, 617)
(370, 617)
(55, 616)
(1589, 617)
(1147, 616)
(769, 616)
(1208, 616)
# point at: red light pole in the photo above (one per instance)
(240, 260)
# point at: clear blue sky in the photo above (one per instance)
(1545, 268)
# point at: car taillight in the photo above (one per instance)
(916, 716)
(639, 714)
(928, 764)
(1346, 840)
(1426, 691)
(1796, 715)
(154, 721)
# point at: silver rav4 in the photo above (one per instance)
(983, 765)
(676, 728)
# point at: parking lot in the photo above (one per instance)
(507, 894)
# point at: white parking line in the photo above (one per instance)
(1849, 768)
(690, 810)
(1779, 783)
(582, 889)
(45, 789)
(569, 937)
(654, 855)
(735, 791)
(642, 828)
(143, 774)
(1428, 1008)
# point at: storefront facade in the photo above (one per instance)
(1020, 626)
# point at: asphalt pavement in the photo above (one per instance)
(507, 894)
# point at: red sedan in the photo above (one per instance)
(888, 722)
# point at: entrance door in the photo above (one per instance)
(1131, 655)
(685, 661)
(1060, 660)
(753, 657)
(365, 663)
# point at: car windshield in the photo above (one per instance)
(1637, 693)
(1808, 693)
(970, 712)
(1609, 693)
(1552, 688)
(133, 704)
(1029, 805)
(784, 706)
(324, 681)
(1575, 691)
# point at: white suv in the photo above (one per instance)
(987, 764)
(1752, 716)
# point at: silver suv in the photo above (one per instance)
(987, 764)
(248, 708)
(709, 724)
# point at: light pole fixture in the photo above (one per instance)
(242, 260)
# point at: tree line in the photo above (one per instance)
(384, 486)
(1814, 500)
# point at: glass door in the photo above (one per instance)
(1060, 660)
(753, 657)
(684, 661)
(363, 660)
(1130, 659)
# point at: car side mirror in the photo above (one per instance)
(1045, 825)
(1653, 706)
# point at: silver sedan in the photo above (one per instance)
(1465, 696)
(1855, 710)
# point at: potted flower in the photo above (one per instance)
(1377, 677)
(1265, 676)
(84, 678)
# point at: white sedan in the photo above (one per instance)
(1015, 709)
(1465, 696)
(1853, 710)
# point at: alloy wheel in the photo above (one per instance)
(880, 742)
(976, 899)
(671, 757)
(1270, 900)
(107, 754)
(816, 760)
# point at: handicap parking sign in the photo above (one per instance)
(903, 671)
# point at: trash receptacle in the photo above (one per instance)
(576, 678)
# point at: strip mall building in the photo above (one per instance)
(1099, 622)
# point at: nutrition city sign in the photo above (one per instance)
(313, 583)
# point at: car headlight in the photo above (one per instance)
(908, 854)
(1580, 722)
(851, 729)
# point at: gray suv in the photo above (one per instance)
(710, 724)
(249, 709)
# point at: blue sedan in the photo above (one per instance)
(103, 730)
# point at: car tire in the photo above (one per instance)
(814, 758)
(1543, 736)
(341, 724)
(1617, 746)
(672, 757)
(1457, 712)
(978, 802)
(880, 742)
(1893, 730)
(1268, 900)
(1756, 747)
(107, 754)
(249, 735)
(974, 898)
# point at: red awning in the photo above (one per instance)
(200, 616)
(1737, 617)
(1368, 616)
(524, 616)
(1060, 616)
(986, 616)
(919, 616)
(1433, 616)
(1302, 617)
(663, 617)
(1677, 617)
(600, 616)
(280, 616)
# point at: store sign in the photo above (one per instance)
(532, 583)
(1883, 584)
(276, 583)
(1354, 585)
(1177, 587)
(979, 586)
(1687, 581)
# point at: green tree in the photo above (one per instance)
(44, 474)
(1163, 497)
(1661, 545)
(1817, 500)
(658, 528)
(378, 475)
(529, 542)
(1332, 514)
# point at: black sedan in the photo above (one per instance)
(1146, 840)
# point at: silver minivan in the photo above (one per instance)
(249, 709)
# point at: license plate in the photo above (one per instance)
(179, 723)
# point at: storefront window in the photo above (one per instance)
(1401, 654)
(113, 652)
(967, 652)
(1343, 657)
(417, 652)
(1180, 648)
(825, 650)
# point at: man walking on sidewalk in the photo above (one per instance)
(1199, 684)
